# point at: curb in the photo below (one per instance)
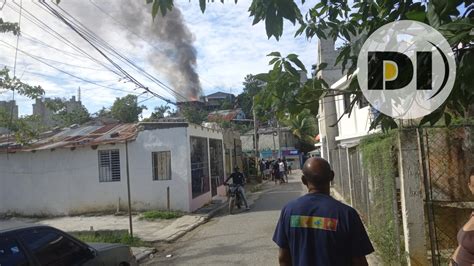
(145, 255)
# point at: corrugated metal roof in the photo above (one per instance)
(76, 137)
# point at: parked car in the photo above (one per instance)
(34, 245)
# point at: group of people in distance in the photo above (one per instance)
(277, 170)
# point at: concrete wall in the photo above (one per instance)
(269, 141)
(356, 125)
(65, 181)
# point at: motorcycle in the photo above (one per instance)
(234, 197)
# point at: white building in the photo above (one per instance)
(84, 169)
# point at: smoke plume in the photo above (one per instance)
(174, 55)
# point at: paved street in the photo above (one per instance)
(244, 238)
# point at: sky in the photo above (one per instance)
(228, 48)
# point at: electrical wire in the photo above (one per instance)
(119, 56)
(55, 77)
(40, 24)
(13, 90)
(58, 69)
(95, 46)
(151, 77)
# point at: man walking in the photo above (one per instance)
(316, 229)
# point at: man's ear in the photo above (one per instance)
(303, 179)
(331, 176)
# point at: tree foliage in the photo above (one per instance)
(23, 129)
(126, 109)
(245, 100)
(194, 114)
(9, 27)
(303, 126)
(8, 83)
(159, 112)
(287, 90)
(64, 115)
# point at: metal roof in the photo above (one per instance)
(75, 137)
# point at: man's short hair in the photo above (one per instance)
(317, 171)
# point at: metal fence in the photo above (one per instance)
(367, 177)
(446, 158)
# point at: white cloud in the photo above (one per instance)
(228, 47)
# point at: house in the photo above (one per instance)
(273, 143)
(214, 101)
(226, 115)
(85, 169)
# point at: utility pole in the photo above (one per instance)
(255, 132)
(128, 190)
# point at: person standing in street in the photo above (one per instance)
(316, 229)
(281, 171)
(275, 171)
(285, 164)
(262, 168)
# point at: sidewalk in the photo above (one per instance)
(159, 230)
(373, 258)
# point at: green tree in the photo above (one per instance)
(194, 114)
(28, 127)
(126, 109)
(252, 86)
(160, 112)
(23, 129)
(303, 126)
(64, 116)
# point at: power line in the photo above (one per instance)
(55, 77)
(64, 63)
(118, 55)
(38, 23)
(14, 76)
(58, 69)
(95, 46)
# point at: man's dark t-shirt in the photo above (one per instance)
(237, 178)
(319, 230)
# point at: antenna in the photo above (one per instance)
(79, 94)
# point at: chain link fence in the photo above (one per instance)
(447, 156)
(367, 177)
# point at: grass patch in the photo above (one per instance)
(154, 215)
(119, 236)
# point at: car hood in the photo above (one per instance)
(105, 246)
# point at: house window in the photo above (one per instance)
(161, 165)
(109, 165)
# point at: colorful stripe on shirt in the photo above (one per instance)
(299, 221)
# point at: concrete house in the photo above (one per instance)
(84, 169)
(273, 143)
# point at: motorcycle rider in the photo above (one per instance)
(239, 179)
